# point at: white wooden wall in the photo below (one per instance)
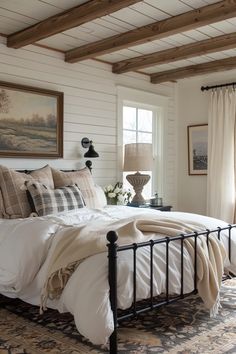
(90, 109)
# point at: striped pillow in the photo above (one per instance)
(83, 179)
(15, 203)
(52, 201)
(2, 208)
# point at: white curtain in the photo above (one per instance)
(221, 155)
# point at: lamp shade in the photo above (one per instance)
(138, 157)
(88, 144)
(91, 152)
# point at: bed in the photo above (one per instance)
(108, 278)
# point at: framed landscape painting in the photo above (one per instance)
(31, 122)
(197, 149)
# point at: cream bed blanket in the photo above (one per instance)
(77, 243)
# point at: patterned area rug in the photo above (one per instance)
(183, 328)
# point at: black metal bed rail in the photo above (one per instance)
(150, 304)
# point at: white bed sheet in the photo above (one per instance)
(26, 245)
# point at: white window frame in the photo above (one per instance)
(156, 103)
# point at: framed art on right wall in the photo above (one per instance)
(197, 149)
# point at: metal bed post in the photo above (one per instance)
(182, 266)
(112, 279)
(195, 261)
(230, 228)
(134, 278)
(151, 303)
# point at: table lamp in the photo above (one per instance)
(138, 157)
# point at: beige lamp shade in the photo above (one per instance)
(138, 157)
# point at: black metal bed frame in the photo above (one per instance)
(152, 302)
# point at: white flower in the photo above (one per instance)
(110, 188)
(121, 198)
(118, 190)
(126, 191)
(111, 195)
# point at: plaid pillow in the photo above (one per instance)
(15, 203)
(52, 201)
(83, 179)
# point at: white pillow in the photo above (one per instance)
(101, 196)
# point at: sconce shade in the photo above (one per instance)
(88, 144)
(91, 152)
(138, 157)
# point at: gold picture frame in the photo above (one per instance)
(31, 122)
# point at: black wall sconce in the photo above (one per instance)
(91, 153)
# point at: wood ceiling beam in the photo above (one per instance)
(194, 70)
(65, 20)
(224, 42)
(190, 20)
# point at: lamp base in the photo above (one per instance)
(138, 181)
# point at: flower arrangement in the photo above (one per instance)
(116, 194)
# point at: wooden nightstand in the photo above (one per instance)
(161, 208)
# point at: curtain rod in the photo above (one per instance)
(206, 88)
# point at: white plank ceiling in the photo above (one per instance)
(16, 15)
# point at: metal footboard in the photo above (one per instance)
(152, 302)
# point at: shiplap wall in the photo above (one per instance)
(90, 109)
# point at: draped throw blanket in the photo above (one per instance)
(77, 243)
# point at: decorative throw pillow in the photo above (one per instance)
(83, 179)
(101, 196)
(52, 201)
(15, 201)
(2, 209)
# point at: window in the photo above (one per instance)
(137, 125)
(141, 119)
(138, 128)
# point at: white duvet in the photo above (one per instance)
(26, 246)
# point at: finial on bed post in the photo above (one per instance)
(112, 237)
(91, 153)
(112, 279)
(88, 163)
